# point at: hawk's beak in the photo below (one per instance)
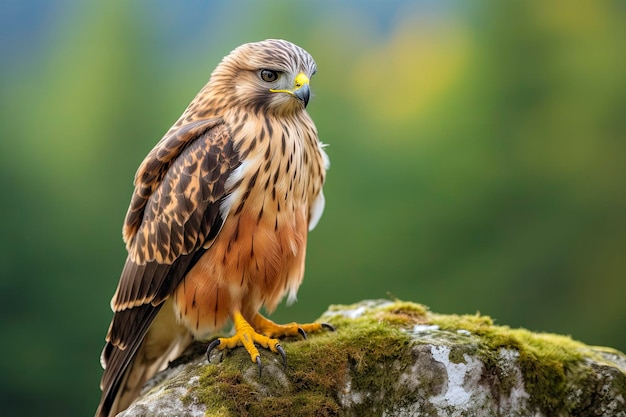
(300, 90)
(303, 93)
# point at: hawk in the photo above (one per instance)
(218, 220)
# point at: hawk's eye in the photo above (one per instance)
(269, 76)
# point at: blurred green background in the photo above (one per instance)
(478, 162)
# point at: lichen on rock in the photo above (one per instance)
(396, 358)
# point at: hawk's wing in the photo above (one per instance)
(173, 216)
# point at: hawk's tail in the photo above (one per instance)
(126, 370)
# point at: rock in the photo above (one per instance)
(397, 359)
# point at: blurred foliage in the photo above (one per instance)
(477, 152)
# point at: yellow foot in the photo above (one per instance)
(246, 336)
(264, 335)
(271, 329)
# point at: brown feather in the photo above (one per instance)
(155, 165)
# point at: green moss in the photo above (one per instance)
(471, 323)
(359, 348)
(457, 354)
(402, 313)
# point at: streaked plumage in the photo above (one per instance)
(218, 221)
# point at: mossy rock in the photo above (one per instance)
(394, 358)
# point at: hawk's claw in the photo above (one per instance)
(328, 326)
(280, 350)
(260, 365)
(302, 332)
(211, 346)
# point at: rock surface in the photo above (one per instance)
(398, 359)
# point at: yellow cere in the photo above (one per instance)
(301, 79)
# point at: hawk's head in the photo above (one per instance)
(271, 75)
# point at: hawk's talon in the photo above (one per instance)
(328, 326)
(280, 350)
(212, 346)
(302, 332)
(259, 364)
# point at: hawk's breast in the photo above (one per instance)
(258, 256)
